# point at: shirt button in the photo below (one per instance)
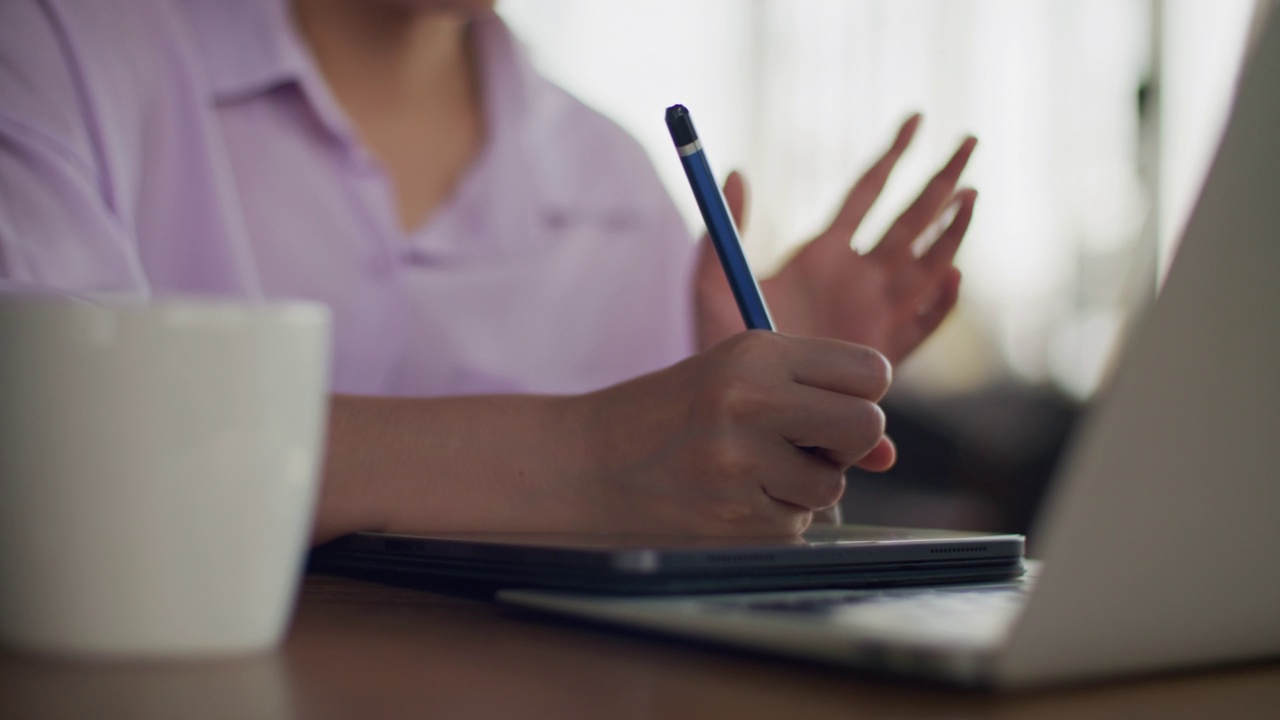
(556, 219)
(417, 256)
(362, 163)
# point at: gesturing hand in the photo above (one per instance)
(890, 298)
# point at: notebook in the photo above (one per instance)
(1161, 531)
(826, 556)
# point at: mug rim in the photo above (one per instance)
(194, 306)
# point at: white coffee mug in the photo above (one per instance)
(159, 465)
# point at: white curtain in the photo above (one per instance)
(802, 94)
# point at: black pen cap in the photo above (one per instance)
(681, 125)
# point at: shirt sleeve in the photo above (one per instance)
(57, 231)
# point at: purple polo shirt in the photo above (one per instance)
(159, 147)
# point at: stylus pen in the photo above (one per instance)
(715, 213)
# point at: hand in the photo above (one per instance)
(747, 438)
(890, 298)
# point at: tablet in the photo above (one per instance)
(842, 556)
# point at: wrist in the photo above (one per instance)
(597, 451)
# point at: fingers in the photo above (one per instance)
(881, 458)
(830, 433)
(842, 428)
(915, 283)
(931, 201)
(943, 251)
(763, 416)
(804, 481)
(867, 189)
(942, 305)
(755, 485)
(927, 314)
(840, 367)
(712, 445)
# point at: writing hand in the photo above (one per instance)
(747, 438)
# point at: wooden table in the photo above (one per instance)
(364, 650)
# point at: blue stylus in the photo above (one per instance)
(724, 234)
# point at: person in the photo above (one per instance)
(526, 339)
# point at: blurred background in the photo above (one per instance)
(1096, 120)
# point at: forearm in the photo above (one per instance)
(717, 444)
(497, 463)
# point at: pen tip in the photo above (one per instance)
(680, 125)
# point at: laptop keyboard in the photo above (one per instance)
(969, 615)
(924, 600)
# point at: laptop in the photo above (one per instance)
(1160, 537)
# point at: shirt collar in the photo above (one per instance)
(508, 75)
(252, 47)
(524, 111)
(247, 46)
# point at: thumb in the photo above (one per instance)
(882, 457)
(710, 274)
(735, 195)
